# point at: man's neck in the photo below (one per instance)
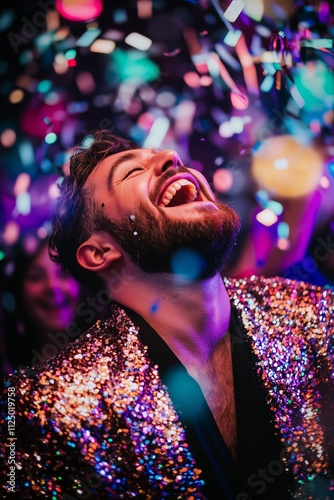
(192, 318)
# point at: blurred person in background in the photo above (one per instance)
(259, 249)
(43, 308)
(317, 266)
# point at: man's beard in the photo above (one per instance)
(152, 241)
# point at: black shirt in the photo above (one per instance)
(260, 473)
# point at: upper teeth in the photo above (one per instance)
(171, 190)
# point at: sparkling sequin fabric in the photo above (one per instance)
(96, 421)
(290, 326)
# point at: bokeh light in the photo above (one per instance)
(8, 137)
(16, 96)
(22, 183)
(11, 232)
(222, 180)
(192, 79)
(187, 265)
(138, 41)
(267, 217)
(79, 10)
(184, 388)
(239, 101)
(103, 46)
(287, 167)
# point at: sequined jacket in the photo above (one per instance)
(96, 421)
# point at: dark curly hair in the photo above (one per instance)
(73, 220)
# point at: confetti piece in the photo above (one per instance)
(205, 80)
(234, 10)
(157, 132)
(227, 57)
(283, 244)
(22, 183)
(11, 232)
(85, 82)
(248, 67)
(224, 74)
(8, 137)
(192, 79)
(120, 16)
(267, 83)
(50, 138)
(26, 153)
(232, 37)
(262, 197)
(23, 203)
(144, 9)
(138, 41)
(324, 182)
(184, 116)
(88, 37)
(16, 96)
(103, 46)
(225, 130)
(222, 180)
(173, 53)
(283, 230)
(276, 207)
(255, 10)
(297, 96)
(266, 217)
(319, 43)
(239, 100)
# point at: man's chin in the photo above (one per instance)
(151, 240)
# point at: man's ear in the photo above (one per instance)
(98, 252)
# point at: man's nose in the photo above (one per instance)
(166, 159)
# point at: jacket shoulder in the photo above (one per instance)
(264, 290)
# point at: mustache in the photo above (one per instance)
(170, 172)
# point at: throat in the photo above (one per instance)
(216, 381)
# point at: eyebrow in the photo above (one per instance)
(117, 164)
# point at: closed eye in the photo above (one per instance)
(129, 172)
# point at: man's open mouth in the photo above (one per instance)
(179, 192)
